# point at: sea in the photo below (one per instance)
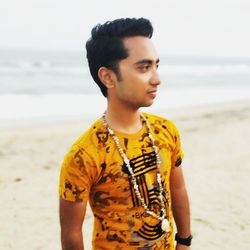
(38, 87)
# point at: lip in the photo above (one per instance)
(152, 93)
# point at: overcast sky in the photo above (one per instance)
(183, 27)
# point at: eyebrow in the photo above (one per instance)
(146, 61)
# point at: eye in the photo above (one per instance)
(144, 67)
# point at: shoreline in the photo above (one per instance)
(215, 141)
(170, 113)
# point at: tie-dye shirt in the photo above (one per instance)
(93, 170)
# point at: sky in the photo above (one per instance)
(181, 27)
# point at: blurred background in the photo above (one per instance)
(203, 47)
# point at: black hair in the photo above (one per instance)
(105, 46)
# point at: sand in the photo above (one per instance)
(215, 140)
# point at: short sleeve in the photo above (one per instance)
(77, 175)
(178, 154)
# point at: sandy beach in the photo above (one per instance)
(215, 140)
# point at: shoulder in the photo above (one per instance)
(159, 122)
(85, 148)
(92, 136)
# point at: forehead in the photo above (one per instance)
(140, 48)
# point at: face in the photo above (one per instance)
(139, 74)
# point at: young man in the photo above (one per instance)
(128, 163)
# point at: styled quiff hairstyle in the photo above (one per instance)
(105, 47)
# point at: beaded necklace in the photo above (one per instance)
(162, 218)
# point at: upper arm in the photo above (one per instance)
(177, 178)
(72, 215)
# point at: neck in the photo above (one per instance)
(125, 121)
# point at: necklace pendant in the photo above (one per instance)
(165, 225)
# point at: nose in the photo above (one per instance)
(155, 78)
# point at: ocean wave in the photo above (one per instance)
(48, 67)
(203, 70)
(42, 66)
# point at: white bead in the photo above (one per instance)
(165, 225)
(126, 161)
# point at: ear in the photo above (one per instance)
(107, 77)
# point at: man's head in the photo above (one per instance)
(105, 48)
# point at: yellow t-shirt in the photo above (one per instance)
(93, 170)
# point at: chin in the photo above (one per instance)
(147, 104)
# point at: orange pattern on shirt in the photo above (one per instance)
(93, 170)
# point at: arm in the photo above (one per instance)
(180, 204)
(71, 219)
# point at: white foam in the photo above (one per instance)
(34, 106)
(45, 66)
(69, 105)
